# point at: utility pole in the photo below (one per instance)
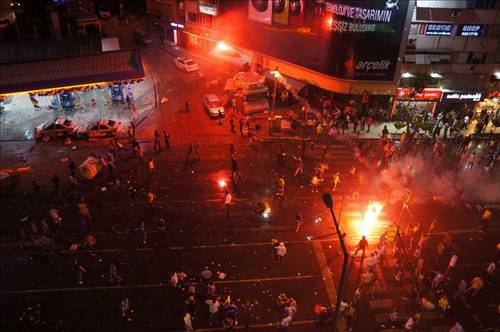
(328, 201)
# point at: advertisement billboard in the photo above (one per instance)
(349, 39)
(260, 11)
(280, 12)
(365, 38)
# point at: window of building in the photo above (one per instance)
(192, 17)
(206, 20)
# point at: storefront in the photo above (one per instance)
(423, 102)
(83, 87)
(461, 100)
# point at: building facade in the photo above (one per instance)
(355, 47)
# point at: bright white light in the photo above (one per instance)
(267, 213)
(317, 220)
(406, 75)
(497, 75)
(223, 47)
(222, 183)
(436, 75)
(309, 237)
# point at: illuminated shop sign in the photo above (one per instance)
(177, 25)
(425, 95)
(363, 14)
(470, 30)
(465, 96)
(438, 29)
(209, 10)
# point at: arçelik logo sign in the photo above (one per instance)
(373, 65)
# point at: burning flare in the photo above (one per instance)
(370, 218)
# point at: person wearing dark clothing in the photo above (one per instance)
(281, 156)
(72, 168)
(187, 106)
(156, 144)
(56, 181)
(166, 138)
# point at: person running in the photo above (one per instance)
(362, 245)
(299, 166)
(336, 180)
(156, 144)
(166, 139)
(79, 270)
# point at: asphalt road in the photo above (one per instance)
(38, 270)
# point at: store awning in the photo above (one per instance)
(67, 72)
(287, 81)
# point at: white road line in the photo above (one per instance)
(256, 326)
(160, 285)
(174, 248)
(325, 272)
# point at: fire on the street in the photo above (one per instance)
(368, 224)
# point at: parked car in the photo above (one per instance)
(141, 37)
(60, 127)
(213, 105)
(103, 128)
(188, 65)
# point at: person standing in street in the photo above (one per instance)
(280, 184)
(280, 252)
(113, 274)
(231, 124)
(72, 168)
(151, 199)
(242, 123)
(84, 209)
(188, 324)
(228, 199)
(196, 151)
(156, 144)
(470, 163)
(362, 245)
(187, 106)
(126, 307)
(55, 182)
(298, 220)
(152, 167)
(166, 139)
(189, 155)
(281, 155)
(485, 220)
(315, 184)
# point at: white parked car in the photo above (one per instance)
(213, 105)
(103, 128)
(188, 65)
(60, 127)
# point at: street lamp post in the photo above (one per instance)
(328, 201)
